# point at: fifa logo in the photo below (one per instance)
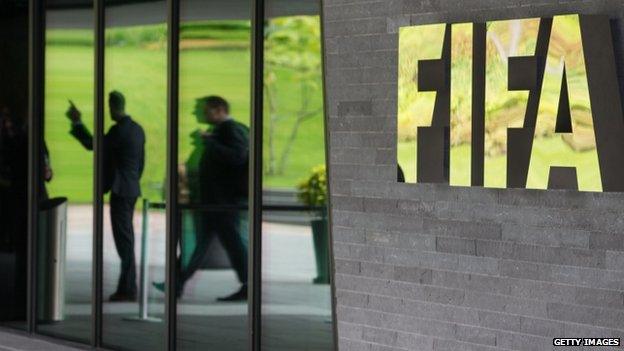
(527, 103)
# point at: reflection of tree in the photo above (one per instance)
(515, 30)
(291, 45)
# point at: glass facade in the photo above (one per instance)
(139, 230)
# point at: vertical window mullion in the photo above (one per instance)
(36, 58)
(173, 40)
(255, 183)
(98, 189)
(332, 271)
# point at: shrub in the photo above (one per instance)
(313, 190)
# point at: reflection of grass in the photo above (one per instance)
(68, 76)
(547, 149)
(221, 30)
(69, 37)
(140, 73)
(554, 149)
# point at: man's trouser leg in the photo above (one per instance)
(233, 235)
(122, 212)
(203, 237)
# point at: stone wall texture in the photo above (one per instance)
(430, 267)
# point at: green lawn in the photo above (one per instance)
(139, 71)
(69, 75)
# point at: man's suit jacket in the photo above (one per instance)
(224, 164)
(124, 155)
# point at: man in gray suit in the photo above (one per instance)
(124, 159)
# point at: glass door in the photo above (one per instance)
(65, 242)
(134, 169)
(296, 295)
(213, 172)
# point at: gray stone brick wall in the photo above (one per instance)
(430, 267)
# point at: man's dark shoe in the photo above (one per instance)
(240, 295)
(122, 297)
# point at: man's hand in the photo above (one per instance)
(73, 113)
(200, 134)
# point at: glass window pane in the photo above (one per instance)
(13, 161)
(296, 295)
(134, 174)
(66, 217)
(213, 169)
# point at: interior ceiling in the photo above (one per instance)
(79, 13)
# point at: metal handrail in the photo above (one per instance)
(205, 208)
(143, 276)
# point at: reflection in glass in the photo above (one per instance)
(415, 108)
(66, 218)
(214, 177)
(296, 296)
(461, 104)
(565, 74)
(14, 162)
(134, 174)
(504, 108)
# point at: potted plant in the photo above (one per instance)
(312, 192)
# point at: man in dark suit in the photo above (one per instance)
(124, 158)
(223, 184)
